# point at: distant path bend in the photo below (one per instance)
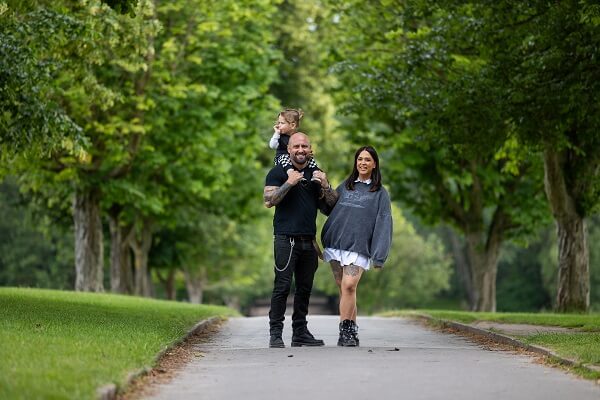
(237, 364)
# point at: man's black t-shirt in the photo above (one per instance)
(297, 212)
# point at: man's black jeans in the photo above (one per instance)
(295, 256)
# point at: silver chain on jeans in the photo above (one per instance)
(292, 243)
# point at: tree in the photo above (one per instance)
(421, 90)
(164, 114)
(91, 44)
(205, 103)
(545, 59)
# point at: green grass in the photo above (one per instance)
(586, 322)
(57, 344)
(583, 345)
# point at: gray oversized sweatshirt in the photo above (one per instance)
(361, 221)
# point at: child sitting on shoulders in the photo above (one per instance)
(288, 122)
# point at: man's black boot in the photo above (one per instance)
(275, 341)
(304, 338)
(347, 334)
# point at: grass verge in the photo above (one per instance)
(58, 344)
(581, 344)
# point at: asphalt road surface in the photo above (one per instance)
(397, 359)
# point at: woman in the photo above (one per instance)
(357, 234)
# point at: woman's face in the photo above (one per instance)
(365, 165)
(283, 126)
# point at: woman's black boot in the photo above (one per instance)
(355, 333)
(347, 334)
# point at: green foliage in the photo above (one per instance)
(545, 64)
(34, 250)
(594, 246)
(520, 285)
(31, 120)
(198, 177)
(234, 258)
(421, 89)
(302, 32)
(171, 101)
(206, 97)
(76, 330)
(244, 271)
(122, 6)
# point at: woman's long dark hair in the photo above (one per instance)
(375, 175)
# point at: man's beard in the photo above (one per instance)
(299, 158)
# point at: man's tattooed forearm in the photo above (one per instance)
(274, 197)
(330, 196)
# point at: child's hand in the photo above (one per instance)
(276, 131)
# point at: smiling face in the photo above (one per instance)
(365, 165)
(299, 149)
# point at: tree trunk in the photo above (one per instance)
(168, 283)
(194, 282)
(89, 257)
(483, 261)
(140, 244)
(463, 269)
(121, 276)
(127, 276)
(573, 294)
(171, 290)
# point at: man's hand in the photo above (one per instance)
(327, 193)
(294, 177)
(322, 177)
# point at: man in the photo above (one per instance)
(296, 199)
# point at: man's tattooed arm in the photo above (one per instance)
(274, 194)
(330, 196)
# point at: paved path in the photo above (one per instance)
(426, 365)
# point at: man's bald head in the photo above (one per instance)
(298, 136)
(299, 149)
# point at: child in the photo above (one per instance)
(288, 122)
